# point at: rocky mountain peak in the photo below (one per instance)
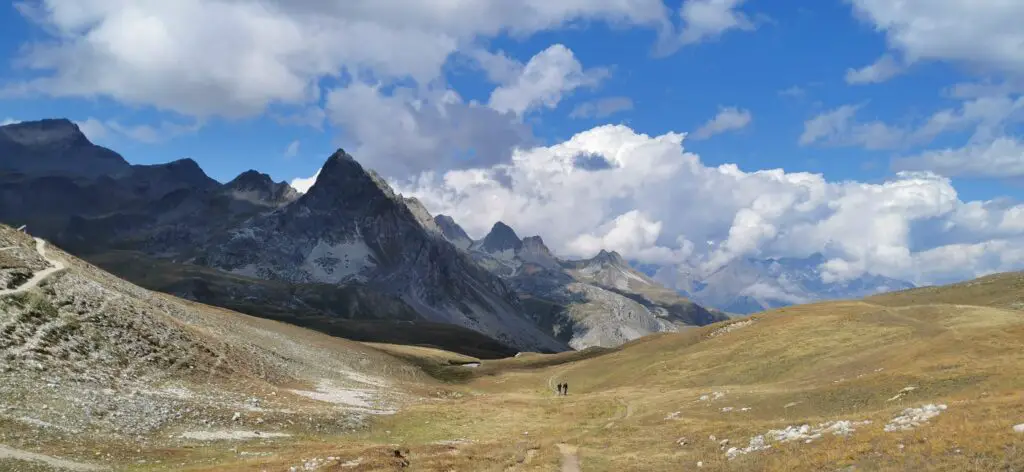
(452, 231)
(251, 180)
(534, 251)
(501, 238)
(344, 184)
(44, 132)
(612, 258)
(421, 213)
(535, 244)
(55, 147)
(260, 188)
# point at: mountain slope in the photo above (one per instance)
(350, 228)
(349, 249)
(596, 302)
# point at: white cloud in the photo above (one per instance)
(293, 149)
(602, 108)
(1000, 158)
(408, 131)
(885, 68)
(837, 127)
(727, 119)
(705, 20)
(542, 82)
(302, 185)
(93, 129)
(654, 199)
(988, 115)
(9, 121)
(234, 58)
(981, 35)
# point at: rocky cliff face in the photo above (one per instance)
(453, 232)
(595, 302)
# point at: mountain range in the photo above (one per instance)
(749, 285)
(349, 257)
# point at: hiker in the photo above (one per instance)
(559, 389)
(565, 388)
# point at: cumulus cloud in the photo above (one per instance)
(885, 68)
(982, 35)
(727, 119)
(602, 108)
(230, 58)
(293, 149)
(542, 82)
(655, 199)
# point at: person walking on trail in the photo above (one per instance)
(565, 388)
(559, 388)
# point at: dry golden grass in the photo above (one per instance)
(799, 365)
(628, 407)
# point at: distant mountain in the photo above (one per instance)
(348, 257)
(55, 147)
(750, 285)
(595, 302)
(351, 228)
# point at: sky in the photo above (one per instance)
(885, 135)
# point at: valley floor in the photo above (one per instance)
(100, 375)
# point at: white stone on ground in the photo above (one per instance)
(911, 418)
(805, 433)
(1019, 428)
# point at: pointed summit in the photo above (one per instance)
(453, 232)
(344, 183)
(500, 238)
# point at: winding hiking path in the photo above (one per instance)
(38, 277)
(55, 462)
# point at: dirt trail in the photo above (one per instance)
(570, 457)
(11, 453)
(38, 277)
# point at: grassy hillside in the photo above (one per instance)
(1004, 290)
(827, 386)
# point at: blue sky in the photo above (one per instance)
(226, 83)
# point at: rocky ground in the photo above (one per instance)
(102, 371)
